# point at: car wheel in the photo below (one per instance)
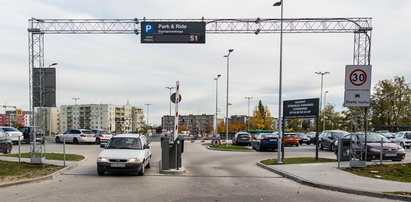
(98, 141)
(258, 148)
(100, 172)
(75, 141)
(402, 144)
(148, 165)
(296, 145)
(141, 173)
(332, 147)
(321, 146)
(308, 143)
(57, 140)
(7, 149)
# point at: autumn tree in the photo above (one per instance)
(183, 128)
(391, 102)
(261, 118)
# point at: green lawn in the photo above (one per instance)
(13, 171)
(52, 156)
(297, 160)
(395, 172)
(223, 146)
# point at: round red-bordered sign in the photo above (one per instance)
(216, 142)
(358, 77)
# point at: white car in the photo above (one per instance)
(77, 136)
(125, 153)
(403, 139)
(12, 133)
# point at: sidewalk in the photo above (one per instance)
(328, 176)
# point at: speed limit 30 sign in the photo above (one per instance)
(357, 86)
(357, 77)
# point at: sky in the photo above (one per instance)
(116, 68)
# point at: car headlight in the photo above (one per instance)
(375, 150)
(102, 159)
(133, 160)
(401, 150)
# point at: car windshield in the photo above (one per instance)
(290, 135)
(10, 129)
(243, 135)
(124, 143)
(87, 132)
(301, 135)
(373, 138)
(408, 135)
(105, 132)
(338, 134)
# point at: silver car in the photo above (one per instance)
(403, 139)
(12, 133)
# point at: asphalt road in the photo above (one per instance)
(210, 176)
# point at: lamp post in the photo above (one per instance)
(75, 106)
(321, 94)
(147, 111)
(216, 103)
(248, 113)
(325, 104)
(279, 156)
(226, 107)
(53, 64)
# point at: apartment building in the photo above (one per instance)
(194, 123)
(115, 118)
(48, 118)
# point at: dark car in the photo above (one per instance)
(265, 141)
(303, 138)
(242, 138)
(28, 132)
(312, 136)
(328, 138)
(5, 143)
(390, 150)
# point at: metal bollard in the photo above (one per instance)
(339, 152)
(19, 150)
(381, 152)
(64, 152)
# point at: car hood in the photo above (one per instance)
(385, 145)
(122, 153)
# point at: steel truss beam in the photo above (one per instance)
(39, 27)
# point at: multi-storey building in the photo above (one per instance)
(48, 118)
(194, 123)
(110, 117)
(10, 117)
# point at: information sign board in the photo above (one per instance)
(303, 108)
(173, 32)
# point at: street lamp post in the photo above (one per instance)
(226, 107)
(279, 156)
(147, 111)
(248, 113)
(216, 103)
(321, 94)
(75, 106)
(325, 104)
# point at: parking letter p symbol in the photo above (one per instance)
(148, 28)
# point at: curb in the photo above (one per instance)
(180, 171)
(333, 188)
(43, 178)
(233, 150)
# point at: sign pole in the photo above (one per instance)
(316, 138)
(177, 100)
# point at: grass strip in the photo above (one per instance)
(401, 193)
(297, 160)
(14, 171)
(51, 156)
(227, 147)
(400, 172)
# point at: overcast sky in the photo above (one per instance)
(113, 68)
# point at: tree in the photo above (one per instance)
(183, 128)
(261, 118)
(391, 102)
(333, 119)
(237, 126)
(294, 124)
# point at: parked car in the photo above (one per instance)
(312, 136)
(102, 136)
(390, 150)
(12, 133)
(125, 153)
(77, 136)
(291, 139)
(28, 133)
(388, 135)
(328, 138)
(403, 139)
(5, 143)
(303, 138)
(242, 138)
(265, 141)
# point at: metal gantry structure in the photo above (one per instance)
(38, 28)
